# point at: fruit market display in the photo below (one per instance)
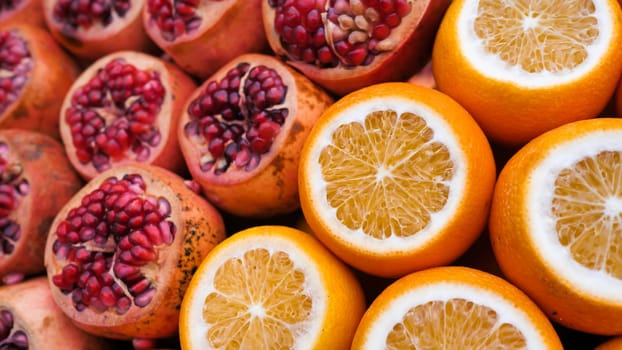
(310, 174)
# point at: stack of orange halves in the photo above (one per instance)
(398, 181)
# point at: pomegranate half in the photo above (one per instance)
(36, 180)
(121, 253)
(125, 107)
(202, 36)
(345, 45)
(242, 131)
(35, 76)
(30, 319)
(90, 29)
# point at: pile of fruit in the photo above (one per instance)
(310, 174)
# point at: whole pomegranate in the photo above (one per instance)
(344, 45)
(35, 76)
(125, 107)
(21, 12)
(242, 131)
(202, 36)
(93, 28)
(30, 319)
(36, 180)
(121, 252)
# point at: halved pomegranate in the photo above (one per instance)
(35, 74)
(344, 45)
(124, 108)
(242, 131)
(120, 254)
(93, 28)
(30, 319)
(202, 36)
(36, 180)
(21, 12)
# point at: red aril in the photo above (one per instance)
(36, 179)
(242, 131)
(93, 28)
(121, 252)
(344, 45)
(201, 36)
(30, 319)
(35, 75)
(123, 108)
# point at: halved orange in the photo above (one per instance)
(453, 307)
(614, 343)
(395, 178)
(522, 67)
(271, 287)
(556, 223)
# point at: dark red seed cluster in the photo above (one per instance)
(108, 241)
(347, 32)
(86, 13)
(15, 65)
(12, 187)
(174, 17)
(10, 337)
(238, 118)
(115, 112)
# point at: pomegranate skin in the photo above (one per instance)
(37, 315)
(410, 45)
(51, 182)
(228, 29)
(23, 12)
(271, 187)
(177, 87)
(52, 73)
(123, 33)
(199, 227)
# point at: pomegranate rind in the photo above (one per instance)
(26, 12)
(36, 313)
(52, 182)
(209, 47)
(271, 188)
(199, 228)
(178, 86)
(125, 33)
(414, 39)
(51, 76)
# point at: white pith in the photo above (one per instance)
(394, 312)
(358, 113)
(303, 332)
(542, 232)
(493, 67)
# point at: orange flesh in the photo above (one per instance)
(386, 176)
(537, 35)
(587, 207)
(453, 324)
(259, 302)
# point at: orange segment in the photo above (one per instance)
(258, 294)
(395, 178)
(454, 308)
(586, 204)
(378, 163)
(472, 325)
(538, 36)
(555, 223)
(270, 287)
(522, 67)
